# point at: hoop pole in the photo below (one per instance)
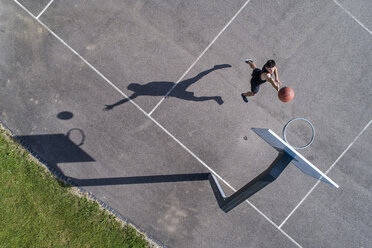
(258, 183)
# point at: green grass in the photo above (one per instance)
(36, 211)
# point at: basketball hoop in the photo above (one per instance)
(308, 122)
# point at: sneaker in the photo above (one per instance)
(248, 61)
(245, 99)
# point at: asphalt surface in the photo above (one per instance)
(110, 64)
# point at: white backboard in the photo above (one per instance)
(298, 160)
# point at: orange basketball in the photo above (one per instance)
(286, 94)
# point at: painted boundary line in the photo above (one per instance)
(151, 118)
(201, 55)
(44, 9)
(355, 19)
(80, 57)
(330, 168)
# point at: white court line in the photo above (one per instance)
(347, 12)
(214, 40)
(151, 118)
(44, 9)
(205, 50)
(84, 60)
(330, 168)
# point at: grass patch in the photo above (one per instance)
(36, 211)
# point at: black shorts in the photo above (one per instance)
(255, 81)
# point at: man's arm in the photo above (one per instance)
(273, 83)
(276, 76)
(268, 77)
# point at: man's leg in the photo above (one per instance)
(249, 93)
(254, 88)
(251, 64)
(244, 95)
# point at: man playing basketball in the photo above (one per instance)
(261, 76)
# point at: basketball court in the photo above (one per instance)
(83, 85)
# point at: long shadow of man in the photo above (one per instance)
(163, 88)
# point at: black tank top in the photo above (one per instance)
(263, 70)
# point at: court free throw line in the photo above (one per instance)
(51, 1)
(201, 55)
(355, 19)
(151, 118)
(330, 168)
